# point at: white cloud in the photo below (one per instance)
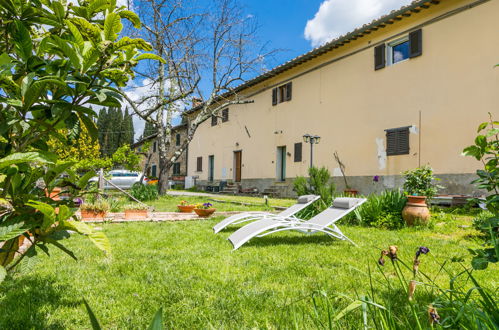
(337, 17)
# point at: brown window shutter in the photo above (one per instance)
(225, 115)
(177, 139)
(274, 96)
(397, 141)
(415, 43)
(298, 152)
(379, 57)
(199, 167)
(289, 87)
(214, 120)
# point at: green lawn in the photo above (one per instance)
(200, 283)
(169, 203)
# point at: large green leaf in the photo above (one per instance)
(157, 321)
(132, 17)
(112, 26)
(47, 210)
(150, 56)
(91, 315)
(98, 238)
(28, 157)
(76, 34)
(38, 88)
(22, 39)
(9, 230)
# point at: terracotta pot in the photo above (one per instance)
(92, 215)
(416, 211)
(204, 213)
(54, 194)
(186, 208)
(136, 214)
(351, 192)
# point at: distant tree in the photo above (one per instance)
(83, 151)
(149, 129)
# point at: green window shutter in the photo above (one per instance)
(289, 90)
(415, 43)
(274, 96)
(379, 57)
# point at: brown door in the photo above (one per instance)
(237, 165)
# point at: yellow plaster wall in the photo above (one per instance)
(349, 104)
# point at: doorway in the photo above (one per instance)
(237, 165)
(281, 164)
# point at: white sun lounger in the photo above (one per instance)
(302, 202)
(322, 222)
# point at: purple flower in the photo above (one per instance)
(423, 250)
(207, 205)
(78, 201)
(376, 178)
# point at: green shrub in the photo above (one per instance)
(486, 150)
(420, 182)
(383, 210)
(144, 192)
(318, 183)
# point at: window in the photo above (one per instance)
(225, 115)
(399, 50)
(177, 140)
(153, 171)
(154, 147)
(282, 93)
(214, 120)
(176, 168)
(397, 141)
(298, 152)
(199, 164)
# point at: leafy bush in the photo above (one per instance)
(420, 182)
(486, 150)
(144, 192)
(318, 183)
(56, 60)
(383, 210)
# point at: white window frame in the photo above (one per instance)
(389, 48)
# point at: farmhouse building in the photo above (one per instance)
(405, 90)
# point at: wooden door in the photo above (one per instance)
(237, 165)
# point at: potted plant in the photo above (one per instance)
(419, 186)
(185, 207)
(136, 211)
(204, 210)
(94, 210)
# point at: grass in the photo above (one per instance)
(286, 280)
(169, 203)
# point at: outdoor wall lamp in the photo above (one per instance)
(312, 139)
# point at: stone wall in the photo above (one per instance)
(453, 184)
